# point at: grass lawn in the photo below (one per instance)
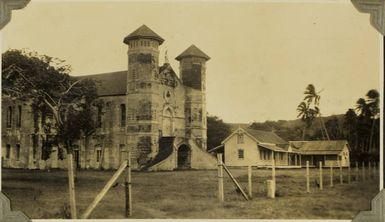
(189, 194)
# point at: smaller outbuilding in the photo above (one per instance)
(329, 152)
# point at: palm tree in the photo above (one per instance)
(350, 124)
(313, 97)
(307, 115)
(303, 112)
(373, 105)
(364, 119)
(362, 108)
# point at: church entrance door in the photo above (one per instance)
(184, 157)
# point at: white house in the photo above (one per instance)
(256, 148)
(246, 147)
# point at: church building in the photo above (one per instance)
(148, 110)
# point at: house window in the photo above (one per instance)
(122, 115)
(18, 120)
(98, 155)
(8, 151)
(9, 117)
(99, 117)
(241, 153)
(240, 138)
(17, 151)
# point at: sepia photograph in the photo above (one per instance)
(191, 109)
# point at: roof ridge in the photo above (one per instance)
(103, 73)
(192, 51)
(143, 32)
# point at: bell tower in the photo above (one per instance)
(142, 96)
(143, 54)
(192, 68)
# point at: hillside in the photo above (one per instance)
(292, 129)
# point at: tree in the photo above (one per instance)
(217, 131)
(314, 97)
(373, 100)
(309, 110)
(350, 125)
(306, 117)
(45, 82)
(333, 127)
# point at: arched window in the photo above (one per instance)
(110, 114)
(17, 151)
(9, 117)
(98, 152)
(18, 120)
(122, 115)
(99, 117)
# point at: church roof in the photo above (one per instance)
(143, 32)
(109, 84)
(192, 51)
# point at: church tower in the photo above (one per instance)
(142, 93)
(192, 67)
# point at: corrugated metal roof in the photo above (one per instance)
(319, 152)
(192, 51)
(319, 146)
(272, 147)
(265, 136)
(109, 84)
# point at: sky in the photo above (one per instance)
(263, 55)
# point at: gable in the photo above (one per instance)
(168, 76)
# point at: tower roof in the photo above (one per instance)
(192, 51)
(143, 32)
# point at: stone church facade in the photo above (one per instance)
(148, 110)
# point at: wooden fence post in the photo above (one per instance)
(221, 195)
(128, 186)
(349, 173)
(71, 185)
(357, 171)
(249, 177)
(105, 189)
(320, 176)
(235, 182)
(341, 177)
(331, 175)
(363, 170)
(374, 169)
(307, 177)
(273, 169)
